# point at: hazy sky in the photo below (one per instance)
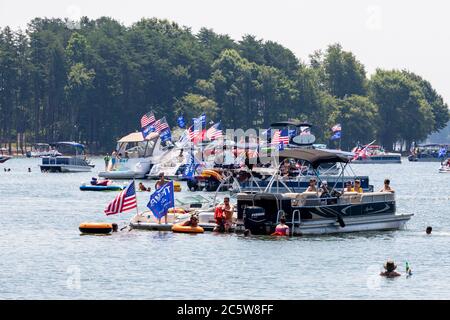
(414, 35)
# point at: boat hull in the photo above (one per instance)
(353, 224)
(122, 175)
(64, 168)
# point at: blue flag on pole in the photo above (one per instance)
(189, 170)
(147, 130)
(162, 200)
(336, 135)
(166, 135)
(181, 122)
(442, 152)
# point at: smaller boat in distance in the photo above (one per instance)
(72, 159)
(445, 166)
(429, 153)
(4, 157)
(374, 154)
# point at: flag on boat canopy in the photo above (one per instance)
(214, 132)
(336, 128)
(124, 201)
(292, 133)
(336, 135)
(181, 122)
(442, 152)
(161, 125)
(147, 130)
(165, 135)
(189, 170)
(147, 119)
(281, 137)
(200, 122)
(162, 200)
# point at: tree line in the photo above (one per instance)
(91, 80)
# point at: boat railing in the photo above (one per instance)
(294, 213)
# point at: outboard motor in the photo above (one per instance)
(255, 220)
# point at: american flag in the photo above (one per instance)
(214, 132)
(147, 119)
(281, 137)
(161, 125)
(336, 128)
(125, 200)
(192, 133)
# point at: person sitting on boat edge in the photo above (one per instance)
(281, 229)
(357, 187)
(390, 272)
(312, 186)
(387, 187)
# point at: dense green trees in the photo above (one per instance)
(93, 82)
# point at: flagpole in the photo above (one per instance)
(135, 192)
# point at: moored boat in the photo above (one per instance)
(314, 213)
(72, 159)
(371, 154)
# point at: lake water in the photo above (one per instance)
(43, 255)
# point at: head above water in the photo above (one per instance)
(428, 230)
(390, 266)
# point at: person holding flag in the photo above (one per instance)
(161, 201)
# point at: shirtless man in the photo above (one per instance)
(227, 209)
(387, 187)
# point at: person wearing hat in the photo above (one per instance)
(390, 272)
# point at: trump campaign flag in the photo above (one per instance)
(336, 135)
(162, 200)
(181, 122)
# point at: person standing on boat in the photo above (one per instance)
(387, 187)
(107, 158)
(161, 182)
(113, 160)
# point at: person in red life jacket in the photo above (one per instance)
(281, 229)
(224, 216)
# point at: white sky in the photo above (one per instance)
(400, 34)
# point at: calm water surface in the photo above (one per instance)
(43, 254)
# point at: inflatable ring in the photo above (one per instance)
(187, 229)
(177, 210)
(96, 228)
(279, 234)
(211, 173)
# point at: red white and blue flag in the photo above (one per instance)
(281, 137)
(214, 132)
(125, 200)
(147, 119)
(161, 125)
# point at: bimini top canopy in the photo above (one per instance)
(290, 123)
(138, 137)
(70, 144)
(314, 157)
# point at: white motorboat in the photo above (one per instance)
(70, 157)
(134, 157)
